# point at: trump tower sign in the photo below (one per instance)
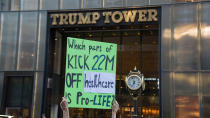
(90, 73)
(101, 17)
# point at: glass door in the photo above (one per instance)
(18, 97)
(138, 46)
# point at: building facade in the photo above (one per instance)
(32, 54)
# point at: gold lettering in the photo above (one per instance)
(54, 16)
(152, 15)
(84, 20)
(129, 15)
(63, 19)
(96, 16)
(142, 16)
(107, 14)
(114, 19)
(72, 18)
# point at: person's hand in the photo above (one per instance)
(64, 104)
(43, 116)
(115, 106)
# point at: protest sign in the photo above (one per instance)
(90, 73)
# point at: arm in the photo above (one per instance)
(64, 107)
(115, 108)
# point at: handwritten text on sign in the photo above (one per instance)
(90, 73)
(98, 82)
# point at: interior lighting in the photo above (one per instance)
(90, 35)
(113, 34)
(126, 33)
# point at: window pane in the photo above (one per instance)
(205, 107)
(27, 40)
(4, 4)
(29, 4)
(92, 3)
(9, 22)
(40, 63)
(205, 82)
(205, 37)
(19, 91)
(70, 4)
(49, 4)
(113, 3)
(137, 2)
(167, 92)
(187, 107)
(186, 37)
(14, 91)
(186, 84)
(15, 4)
(27, 91)
(37, 97)
(130, 51)
(150, 53)
(186, 0)
(156, 2)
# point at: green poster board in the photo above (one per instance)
(90, 73)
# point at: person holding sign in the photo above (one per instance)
(65, 109)
(90, 74)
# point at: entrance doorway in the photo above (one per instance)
(18, 94)
(138, 46)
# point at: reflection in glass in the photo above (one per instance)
(29, 4)
(205, 37)
(19, 88)
(205, 82)
(15, 5)
(186, 83)
(113, 3)
(4, 4)
(187, 107)
(70, 4)
(156, 2)
(27, 40)
(185, 37)
(92, 3)
(8, 36)
(166, 40)
(137, 2)
(205, 106)
(185, 0)
(38, 90)
(49, 4)
(40, 61)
